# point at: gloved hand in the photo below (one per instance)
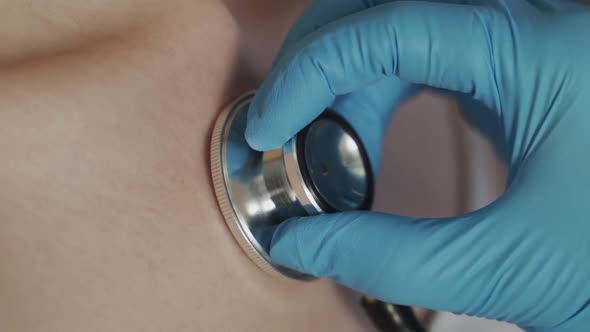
(525, 258)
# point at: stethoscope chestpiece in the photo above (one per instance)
(323, 169)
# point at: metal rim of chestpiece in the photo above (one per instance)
(324, 168)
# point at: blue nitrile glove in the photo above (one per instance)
(525, 258)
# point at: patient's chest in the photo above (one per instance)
(108, 221)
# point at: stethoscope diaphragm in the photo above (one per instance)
(323, 169)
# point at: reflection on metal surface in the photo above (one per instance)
(335, 165)
(390, 317)
(322, 169)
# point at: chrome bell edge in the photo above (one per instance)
(322, 169)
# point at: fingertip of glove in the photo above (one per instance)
(253, 139)
(261, 140)
(259, 134)
(283, 249)
(256, 137)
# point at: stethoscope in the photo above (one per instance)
(322, 169)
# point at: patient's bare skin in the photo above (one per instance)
(108, 220)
